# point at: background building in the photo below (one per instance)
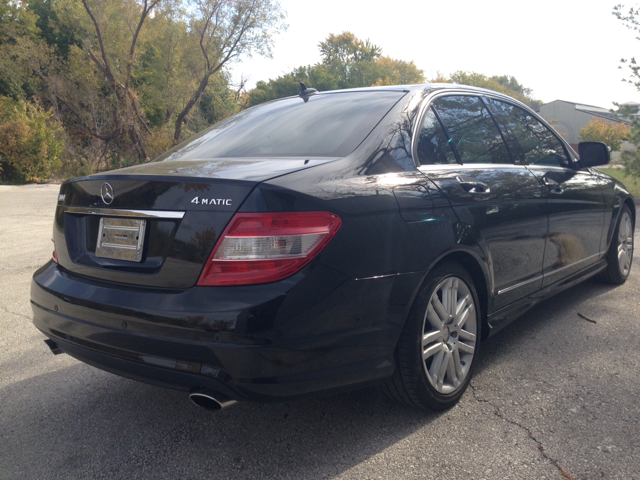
(569, 117)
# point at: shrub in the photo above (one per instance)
(31, 141)
(610, 133)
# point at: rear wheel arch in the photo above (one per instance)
(478, 274)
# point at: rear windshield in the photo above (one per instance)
(327, 125)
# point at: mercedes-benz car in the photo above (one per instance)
(330, 241)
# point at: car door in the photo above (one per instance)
(501, 204)
(575, 203)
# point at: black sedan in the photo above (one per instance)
(330, 241)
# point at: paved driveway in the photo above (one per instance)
(555, 396)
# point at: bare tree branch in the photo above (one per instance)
(134, 103)
(98, 63)
(143, 16)
(106, 67)
(235, 21)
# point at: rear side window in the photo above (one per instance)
(327, 125)
(473, 132)
(434, 147)
(533, 142)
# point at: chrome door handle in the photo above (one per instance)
(553, 186)
(472, 185)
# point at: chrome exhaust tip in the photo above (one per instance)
(211, 400)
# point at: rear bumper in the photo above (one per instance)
(317, 331)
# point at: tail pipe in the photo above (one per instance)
(211, 400)
(53, 346)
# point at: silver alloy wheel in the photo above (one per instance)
(625, 243)
(449, 335)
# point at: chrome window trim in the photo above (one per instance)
(124, 213)
(469, 166)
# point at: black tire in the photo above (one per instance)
(428, 383)
(618, 270)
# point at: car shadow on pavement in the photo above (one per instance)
(80, 422)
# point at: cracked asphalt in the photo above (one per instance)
(554, 397)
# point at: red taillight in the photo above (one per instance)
(54, 255)
(265, 247)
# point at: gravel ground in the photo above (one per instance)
(554, 397)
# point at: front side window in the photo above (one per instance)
(533, 142)
(471, 128)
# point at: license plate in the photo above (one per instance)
(120, 239)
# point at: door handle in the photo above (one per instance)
(553, 186)
(472, 185)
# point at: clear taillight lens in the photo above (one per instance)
(266, 247)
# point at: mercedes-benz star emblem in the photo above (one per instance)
(107, 193)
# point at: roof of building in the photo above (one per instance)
(599, 111)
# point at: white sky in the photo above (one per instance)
(562, 49)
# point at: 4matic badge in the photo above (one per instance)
(211, 201)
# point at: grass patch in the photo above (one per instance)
(632, 183)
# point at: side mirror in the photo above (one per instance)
(593, 154)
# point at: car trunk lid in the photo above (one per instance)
(154, 225)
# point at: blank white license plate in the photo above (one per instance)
(120, 239)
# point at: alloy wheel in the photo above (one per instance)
(449, 335)
(625, 243)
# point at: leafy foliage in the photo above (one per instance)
(31, 142)
(124, 75)
(346, 62)
(500, 83)
(631, 20)
(599, 130)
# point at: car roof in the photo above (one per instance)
(419, 87)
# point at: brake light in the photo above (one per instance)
(266, 247)
(54, 255)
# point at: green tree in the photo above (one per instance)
(129, 68)
(346, 62)
(23, 56)
(31, 141)
(126, 78)
(347, 58)
(226, 29)
(504, 84)
(110, 32)
(630, 19)
(50, 30)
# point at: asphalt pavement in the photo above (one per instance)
(555, 396)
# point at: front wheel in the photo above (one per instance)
(439, 344)
(620, 254)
